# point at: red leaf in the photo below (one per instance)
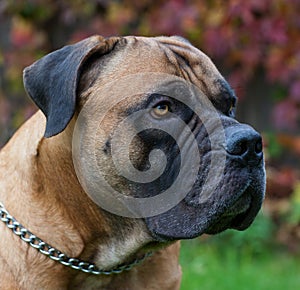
(295, 91)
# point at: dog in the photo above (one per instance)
(62, 238)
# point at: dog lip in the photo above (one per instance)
(238, 216)
(244, 219)
(233, 212)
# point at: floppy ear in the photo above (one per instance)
(52, 81)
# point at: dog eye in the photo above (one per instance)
(161, 109)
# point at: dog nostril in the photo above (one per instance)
(246, 144)
(240, 148)
(258, 146)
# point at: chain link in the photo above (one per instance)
(57, 255)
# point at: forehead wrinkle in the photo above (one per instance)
(190, 54)
(175, 62)
(196, 67)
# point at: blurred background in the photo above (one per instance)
(256, 46)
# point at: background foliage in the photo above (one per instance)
(255, 43)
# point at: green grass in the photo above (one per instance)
(239, 260)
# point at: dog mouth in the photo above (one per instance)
(186, 222)
(215, 205)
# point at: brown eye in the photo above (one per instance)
(161, 110)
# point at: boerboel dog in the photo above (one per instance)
(54, 235)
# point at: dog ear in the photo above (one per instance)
(52, 81)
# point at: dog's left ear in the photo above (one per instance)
(52, 81)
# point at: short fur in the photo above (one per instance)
(40, 189)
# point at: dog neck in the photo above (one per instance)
(55, 207)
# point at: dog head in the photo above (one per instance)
(161, 81)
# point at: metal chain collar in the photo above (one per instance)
(57, 255)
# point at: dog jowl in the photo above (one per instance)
(135, 146)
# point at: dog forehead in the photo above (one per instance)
(195, 67)
(135, 55)
(168, 48)
(174, 55)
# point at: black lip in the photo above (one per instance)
(237, 215)
(233, 216)
(244, 220)
(234, 204)
(241, 220)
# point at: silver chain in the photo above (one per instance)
(57, 255)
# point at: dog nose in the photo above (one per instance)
(245, 144)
